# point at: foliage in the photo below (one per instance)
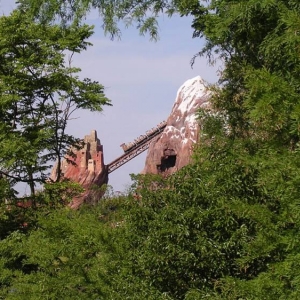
(71, 255)
(258, 43)
(142, 13)
(224, 227)
(39, 91)
(61, 258)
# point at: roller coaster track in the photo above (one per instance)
(136, 147)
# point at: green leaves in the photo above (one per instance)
(225, 227)
(143, 13)
(225, 219)
(64, 257)
(39, 91)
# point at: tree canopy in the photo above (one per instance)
(224, 227)
(143, 14)
(39, 90)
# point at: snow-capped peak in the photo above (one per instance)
(188, 93)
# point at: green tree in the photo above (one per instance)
(65, 257)
(142, 13)
(260, 83)
(71, 255)
(226, 227)
(39, 91)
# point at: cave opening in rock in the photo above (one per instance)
(167, 163)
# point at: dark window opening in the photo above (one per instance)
(167, 163)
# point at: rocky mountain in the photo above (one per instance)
(167, 153)
(87, 168)
(173, 148)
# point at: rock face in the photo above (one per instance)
(87, 168)
(172, 150)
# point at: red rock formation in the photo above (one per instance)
(172, 150)
(87, 168)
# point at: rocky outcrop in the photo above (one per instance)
(173, 148)
(86, 166)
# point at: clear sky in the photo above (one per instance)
(141, 77)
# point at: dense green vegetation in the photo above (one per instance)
(224, 227)
(39, 91)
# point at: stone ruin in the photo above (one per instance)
(87, 168)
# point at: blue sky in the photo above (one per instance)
(141, 77)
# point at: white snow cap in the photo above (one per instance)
(191, 90)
